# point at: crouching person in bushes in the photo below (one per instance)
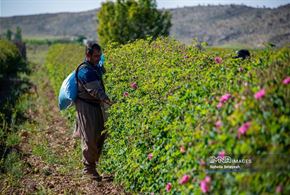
(90, 117)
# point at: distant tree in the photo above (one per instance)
(18, 34)
(80, 38)
(9, 34)
(127, 20)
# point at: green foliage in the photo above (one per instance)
(11, 64)
(12, 107)
(14, 166)
(18, 34)
(127, 20)
(80, 38)
(43, 150)
(13, 140)
(10, 58)
(11, 164)
(13, 169)
(9, 34)
(52, 41)
(175, 105)
(3, 128)
(61, 60)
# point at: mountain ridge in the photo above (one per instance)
(215, 24)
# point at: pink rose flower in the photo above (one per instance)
(126, 94)
(222, 154)
(219, 105)
(218, 124)
(279, 189)
(225, 98)
(168, 187)
(260, 94)
(243, 129)
(205, 184)
(207, 179)
(150, 156)
(218, 60)
(184, 179)
(134, 85)
(286, 81)
(182, 149)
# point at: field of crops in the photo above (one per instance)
(176, 106)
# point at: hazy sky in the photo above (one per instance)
(27, 7)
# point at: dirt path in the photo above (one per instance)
(50, 154)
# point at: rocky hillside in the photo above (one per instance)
(59, 25)
(218, 25)
(232, 24)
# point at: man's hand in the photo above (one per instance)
(109, 102)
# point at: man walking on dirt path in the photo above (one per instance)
(90, 119)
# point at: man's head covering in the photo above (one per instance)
(91, 45)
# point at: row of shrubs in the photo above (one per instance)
(11, 62)
(10, 58)
(14, 85)
(177, 106)
(60, 61)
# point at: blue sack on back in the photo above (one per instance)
(68, 92)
